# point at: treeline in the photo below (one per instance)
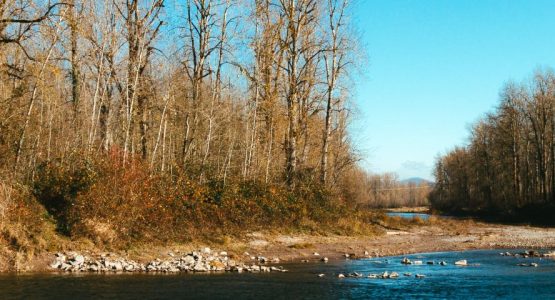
(117, 113)
(508, 167)
(387, 191)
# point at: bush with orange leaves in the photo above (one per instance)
(119, 204)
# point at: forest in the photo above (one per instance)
(162, 120)
(508, 166)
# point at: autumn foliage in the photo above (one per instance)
(114, 203)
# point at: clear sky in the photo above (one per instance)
(435, 67)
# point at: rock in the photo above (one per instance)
(217, 265)
(78, 260)
(462, 262)
(366, 253)
(206, 250)
(316, 254)
(341, 276)
(321, 275)
(406, 261)
(199, 267)
(407, 274)
(430, 263)
(533, 264)
(275, 260)
(393, 275)
(129, 268)
(385, 275)
(117, 266)
(419, 275)
(443, 263)
(255, 268)
(372, 276)
(324, 259)
(189, 260)
(304, 260)
(264, 269)
(417, 262)
(65, 267)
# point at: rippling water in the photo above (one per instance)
(495, 277)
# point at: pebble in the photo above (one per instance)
(462, 262)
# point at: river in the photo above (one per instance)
(489, 276)
(409, 215)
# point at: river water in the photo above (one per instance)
(490, 276)
(408, 215)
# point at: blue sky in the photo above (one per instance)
(436, 66)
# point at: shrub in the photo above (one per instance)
(120, 204)
(57, 184)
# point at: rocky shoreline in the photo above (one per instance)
(272, 248)
(204, 260)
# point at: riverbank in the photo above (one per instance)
(431, 236)
(435, 235)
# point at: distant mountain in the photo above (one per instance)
(416, 180)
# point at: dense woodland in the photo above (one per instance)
(508, 165)
(133, 119)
